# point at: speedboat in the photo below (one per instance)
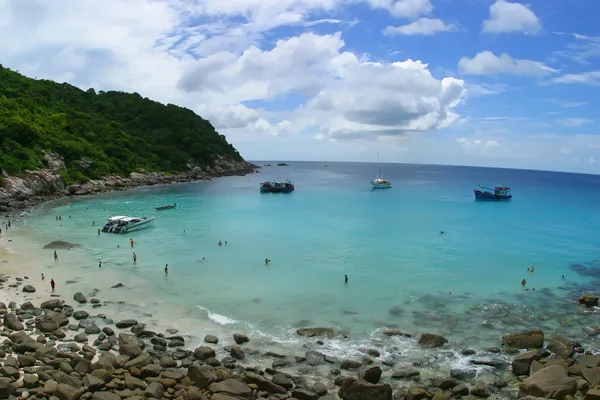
(166, 207)
(123, 224)
(495, 193)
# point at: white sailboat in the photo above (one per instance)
(379, 182)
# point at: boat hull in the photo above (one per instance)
(480, 195)
(139, 226)
(163, 208)
(379, 185)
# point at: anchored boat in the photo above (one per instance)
(166, 207)
(124, 224)
(277, 187)
(380, 182)
(496, 193)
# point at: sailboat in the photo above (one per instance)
(379, 182)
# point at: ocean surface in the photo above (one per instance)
(403, 272)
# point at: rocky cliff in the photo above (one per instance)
(34, 187)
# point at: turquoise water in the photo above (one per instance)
(401, 269)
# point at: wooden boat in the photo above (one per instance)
(165, 207)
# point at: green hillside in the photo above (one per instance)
(99, 133)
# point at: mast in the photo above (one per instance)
(377, 167)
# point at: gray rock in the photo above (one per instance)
(202, 376)
(263, 384)
(524, 340)
(93, 383)
(315, 332)
(6, 389)
(80, 298)
(28, 289)
(80, 338)
(352, 389)
(107, 396)
(562, 346)
(231, 387)
(211, 339)
(350, 365)
(240, 339)
(126, 323)
(282, 380)
(371, 374)
(154, 390)
(463, 373)
(11, 321)
(66, 392)
(204, 353)
(430, 341)
(80, 314)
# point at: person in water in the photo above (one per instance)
(132, 242)
(523, 282)
(267, 261)
(345, 278)
(563, 277)
(43, 277)
(441, 232)
(220, 243)
(166, 269)
(98, 232)
(52, 284)
(134, 257)
(100, 264)
(226, 243)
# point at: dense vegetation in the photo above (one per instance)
(99, 133)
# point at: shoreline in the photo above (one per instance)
(72, 329)
(19, 194)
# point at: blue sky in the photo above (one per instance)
(464, 82)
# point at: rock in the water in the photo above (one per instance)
(240, 339)
(126, 323)
(430, 341)
(352, 389)
(61, 244)
(80, 298)
(370, 374)
(480, 390)
(314, 332)
(524, 340)
(562, 346)
(28, 289)
(396, 332)
(552, 382)
(263, 383)
(211, 339)
(589, 300)
(80, 314)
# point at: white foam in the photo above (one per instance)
(218, 318)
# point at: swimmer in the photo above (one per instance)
(43, 277)
(220, 243)
(441, 232)
(523, 282)
(100, 264)
(52, 284)
(532, 268)
(166, 269)
(134, 257)
(267, 261)
(345, 278)
(563, 277)
(132, 242)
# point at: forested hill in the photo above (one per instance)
(99, 133)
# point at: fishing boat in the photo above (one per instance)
(166, 207)
(124, 224)
(277, 187)
(379, 182)
(496, 193)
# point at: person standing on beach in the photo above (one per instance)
(55, 256)
(166, 269)
(52, 284)
(134, 257)
(43, 277)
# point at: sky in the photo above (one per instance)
(459, 82)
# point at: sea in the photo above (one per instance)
(423, 256)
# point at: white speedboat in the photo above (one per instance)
(380, 182)
(123, 224)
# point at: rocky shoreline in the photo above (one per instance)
(32, 188)
(64, 349)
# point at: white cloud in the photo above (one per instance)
(587, 78)
(591, 160)
(347, 97)
(469, 143)
(507, 17)
(487, 63)
(574, 122)
(422, 26)
(404, 8)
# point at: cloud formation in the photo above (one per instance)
(487, 63)
(508, 17)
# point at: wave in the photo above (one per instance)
(218, 318)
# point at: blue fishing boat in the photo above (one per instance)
(288, 187)
(495, 193)
(277, 187)
(266, 187)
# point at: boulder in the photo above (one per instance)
(316, 332)
(524, 340)
(430, 341)
(562, 346)
(353, 389)
(67, 392)
(303, 394)
(201, 376)
(154, 390)
(371, 374)
(263, 383)
(231, 387)
(11, 321)
(589, 300)
(211, 339)
(521, 364)
(126, 323)
(28, 289)
(80, 298)
(240, 339)
(204, 353)
(105, 396)
(552, 382)
(396, 332)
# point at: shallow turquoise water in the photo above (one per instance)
(388, 242)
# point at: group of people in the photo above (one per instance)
(7, 226)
